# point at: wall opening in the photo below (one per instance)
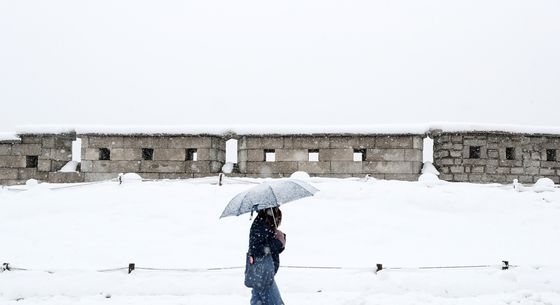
(147, 154)
(313, 155)
(191, 154)
(474, 152)
(359, 154)
(104, 154)
(77, 150)
(231, 151)
(31, 161)
(551, 155)
(269, 155)
(428, 150)
(510, 153)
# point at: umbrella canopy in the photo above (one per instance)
(268, 195)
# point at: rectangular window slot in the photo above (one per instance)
(147, 153)
(551, 155)
(104, 154)
(31, 161)
(192, 154)
(269, 155)
(313, 155)
(510, 153)
(474, 152)
(359, 155)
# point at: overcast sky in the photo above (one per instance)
(276, 62)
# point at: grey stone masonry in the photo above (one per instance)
(34, 156)
(496, 157)
(331, 155)
(151, 156)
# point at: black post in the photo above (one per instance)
(505, 266)
(379, 267)
(131, 267)
(221, 178)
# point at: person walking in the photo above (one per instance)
(266, 239)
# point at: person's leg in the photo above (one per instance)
(258, 297)
(274, 295)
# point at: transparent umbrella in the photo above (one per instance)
(268, 195)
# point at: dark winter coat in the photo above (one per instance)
(262, 241)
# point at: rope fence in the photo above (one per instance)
(379, 267)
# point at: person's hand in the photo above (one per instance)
(281, 237)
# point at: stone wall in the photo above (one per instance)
(36, 156)
(496, 157)
(386, 156)
(169, 156)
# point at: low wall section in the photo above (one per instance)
(484, 157)
(152, 156)
(382, 156)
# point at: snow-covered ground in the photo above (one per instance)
(73, 231)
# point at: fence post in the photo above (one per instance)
(221, 177)
(131, 267)
(5, 267)
(505, 265)
(379, 267)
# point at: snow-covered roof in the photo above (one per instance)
(220, 130)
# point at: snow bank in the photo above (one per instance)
(71, 166)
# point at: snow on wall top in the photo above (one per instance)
(8, 137)
(220, 130)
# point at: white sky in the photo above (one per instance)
(276, 62)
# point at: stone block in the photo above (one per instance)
(306, 142)
(417, 142)
(446, 177)
(511, 163)
(442, 154)
(349, 167)
(72, 177)
(48, 142)
(526, 179)
(457, 169)
(348, 142)
(89, 177)
(266, 169)
(461, 177)
(292, 155)
(385, 155)
(170, 154)
(493, 153)
(242, 156)
(413, 155)
(162, 166)
(255, 155)
(32, 173)
(106, 142)
(90, 153)
(31, 139)
(315, 167)
(146, 142)
(8, 173)
(57, 165)
(338, 154)
(190, 142)
(518, 170)
(26, 149)
(550, 164)
(272, 142)
(115, 166)
(86, 166)
(12, 161)
(65, 143)
(125, 154)
(477, 169)
(478, 162)
(250, 142)
(547, 171)
(394, 142)
(59, 154)
(216, 166)
(456, 154)
(218, 143)
(389, 167)
(197, 167)
(503, 170)
(445, 161)
(44, 165)
(5, 149)
(457, 139)
(210, 154)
